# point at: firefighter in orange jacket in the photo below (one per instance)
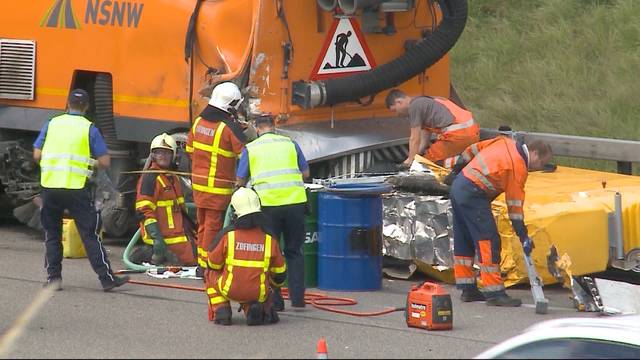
(214, 142)
(243, 262)
(492, 167)
(161, 204)
(454, 126)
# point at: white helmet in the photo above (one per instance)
(245, 201)
(164, 141)
(226, 96)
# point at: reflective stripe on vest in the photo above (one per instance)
(231, 261)
(455, 127)
(273, 164)
(462, 118)
(66, 154)
(214, 150)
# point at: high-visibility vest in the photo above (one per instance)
(496, 166)
(462, 119)
(66, 154)
(275, 176)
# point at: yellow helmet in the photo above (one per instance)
(245, 201)
(164, 141)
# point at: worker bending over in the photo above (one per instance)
(276, 167)
(160, 204)
(453, 125)
(244, 261)
(214, 142)
(492, 167)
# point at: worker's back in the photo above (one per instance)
(247, 257)
(497, 166)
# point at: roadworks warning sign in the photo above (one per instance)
(344, 52)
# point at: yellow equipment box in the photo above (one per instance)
(72, 246)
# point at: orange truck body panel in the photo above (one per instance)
(141, 44)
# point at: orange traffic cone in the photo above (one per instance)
(321, 349)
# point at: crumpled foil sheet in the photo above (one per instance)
(418, 228)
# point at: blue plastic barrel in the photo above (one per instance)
(350, 237)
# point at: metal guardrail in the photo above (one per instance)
(624, 152)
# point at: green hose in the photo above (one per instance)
(142, 268)
(227, 216)
(127, 253)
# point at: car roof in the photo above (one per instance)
(620, 329)
(624, 322)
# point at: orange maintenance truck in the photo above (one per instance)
(322, 66)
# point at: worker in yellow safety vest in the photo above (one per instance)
(275, 167)
(64, 150)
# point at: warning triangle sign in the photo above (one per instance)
(344, 51)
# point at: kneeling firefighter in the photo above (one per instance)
(160, 204)
(243, 262)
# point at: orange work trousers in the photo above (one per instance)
(452, 143)
(210, 222)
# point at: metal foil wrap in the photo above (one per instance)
(418, 228)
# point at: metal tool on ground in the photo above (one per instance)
(542, 303)
(429, 307)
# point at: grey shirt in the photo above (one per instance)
(426, 112)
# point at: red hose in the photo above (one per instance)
(318, 300)
(326, 303)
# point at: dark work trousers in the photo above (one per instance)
(288, 220)
(475, 233)
(80, 206)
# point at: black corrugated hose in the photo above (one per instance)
(418, 58)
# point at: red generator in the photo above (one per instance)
(429, 307)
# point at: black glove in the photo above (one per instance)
(457, 168)
(448, 180)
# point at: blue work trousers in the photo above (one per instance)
(475, 234)
(288, 220)
(80, 206)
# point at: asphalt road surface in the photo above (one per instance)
(137, 321)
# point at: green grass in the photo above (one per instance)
(557, 66)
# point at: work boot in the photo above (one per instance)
(55, 283)
(222, 315)
(504, 300)
(116, 282)
(199, 272)
(472, 294)
(278, 301)
(270, 315)
(254, 314)
(298, 305)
